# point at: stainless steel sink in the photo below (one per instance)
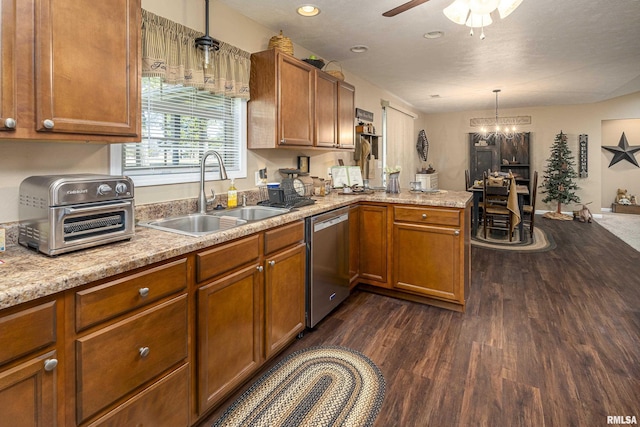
(252, 213)
(194, 224)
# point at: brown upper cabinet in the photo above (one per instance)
(76, 74)
(294, 104)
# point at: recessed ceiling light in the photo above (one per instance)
(308, 10)
(434, 34)
(359, 49)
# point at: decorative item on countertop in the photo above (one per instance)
(338, 74)
(315, 61)
(393, 174)
(2, 239)
(281, 42)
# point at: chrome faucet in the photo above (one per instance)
(202, 201)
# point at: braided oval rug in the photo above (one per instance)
(318, 386)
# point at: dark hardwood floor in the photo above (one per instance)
(548, 339)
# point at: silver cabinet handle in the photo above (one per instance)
(143, 292)
(456, 233)
(424, 216)
(10, 123)
(260, 268)
(144, 351)
(272, 263)
(50, 364)
(48, 124)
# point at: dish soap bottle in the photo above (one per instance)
(232, 196)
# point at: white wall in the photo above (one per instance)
(449, 146)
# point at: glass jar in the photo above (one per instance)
(393, 185)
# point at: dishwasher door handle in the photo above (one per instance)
(330, 222)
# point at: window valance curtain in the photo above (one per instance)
(169, 52)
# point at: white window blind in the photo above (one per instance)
(179, 124)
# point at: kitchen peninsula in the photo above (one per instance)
(156, 310)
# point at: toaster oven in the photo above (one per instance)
(64, 213)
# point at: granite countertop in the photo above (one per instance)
(26, 275)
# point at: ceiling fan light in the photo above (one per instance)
(483, 7)
(457, 11)
(507, 6)
(477, 21)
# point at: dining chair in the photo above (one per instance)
(530, 209)
(496, 214)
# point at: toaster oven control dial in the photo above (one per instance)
(104, 189)
(121, 188)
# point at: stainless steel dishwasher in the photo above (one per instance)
(327, 237)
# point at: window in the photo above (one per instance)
(179, 124)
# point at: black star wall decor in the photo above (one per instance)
(623, 152)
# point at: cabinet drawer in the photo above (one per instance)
(227, 257)
(284, 236)
(423, 215)
(111, 299)
(112, 362)
(27, 330)
(165, 403)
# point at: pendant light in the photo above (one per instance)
(206, 42)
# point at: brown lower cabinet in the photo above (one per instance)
(250, 306)
(30, 365)
(374, 239)
(425, 257)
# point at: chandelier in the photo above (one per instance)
(477, 13)
(508, 128)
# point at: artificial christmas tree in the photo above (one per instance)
(558, 184)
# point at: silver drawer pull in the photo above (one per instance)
(260, 268)
(50, 364)
(144, 351)
(144, 292)
(48, 124)
(456, 233)
(424, 216)
(272, 263)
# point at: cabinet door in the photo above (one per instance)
(373, 244)
(426, 260)
(296, 96)
(346, 115)
(354, 245)
(284, 298)
(326, 107)
(7, 65)
(228, 337)
(86, 67)
(28, 393)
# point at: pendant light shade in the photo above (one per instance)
(206, 43)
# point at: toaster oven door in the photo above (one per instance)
(92, 224)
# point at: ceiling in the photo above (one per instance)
(547, 52)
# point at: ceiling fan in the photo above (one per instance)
(403, 7)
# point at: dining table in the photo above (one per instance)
(522, 191)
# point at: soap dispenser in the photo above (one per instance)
(232, 196)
